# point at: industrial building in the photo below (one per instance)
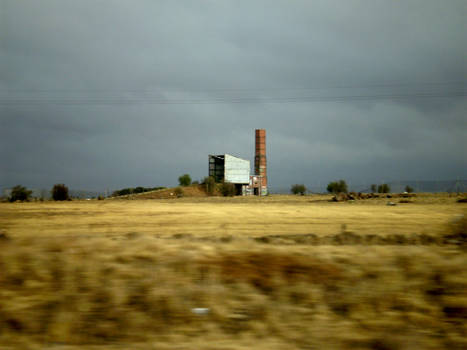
(225, 167)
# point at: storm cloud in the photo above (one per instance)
(103, 94)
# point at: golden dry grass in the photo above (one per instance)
(128, 274)
(239, 216)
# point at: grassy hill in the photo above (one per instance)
(169, 193)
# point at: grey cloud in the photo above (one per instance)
(208, 56)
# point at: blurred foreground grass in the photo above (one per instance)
(188, 291)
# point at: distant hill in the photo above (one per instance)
(166, 193)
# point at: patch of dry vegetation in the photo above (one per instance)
(238, 216)
(119, 287)
(134, 290)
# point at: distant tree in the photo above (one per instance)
(179, 192)
(139, 189)
(374, 188)
(408, 189)
(298, 189)
(184, 180)
(228, 189)
(384, 188)
(343, 186)
(195, 182)
(337, 187)
(60, 192)
(124, 191)
(209, 185)
(20, 193)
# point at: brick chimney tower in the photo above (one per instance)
(260, 159)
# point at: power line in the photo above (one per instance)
(382, 91)
(334, 86)
(224, 100)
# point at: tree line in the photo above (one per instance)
(340, 186)
(59, 192)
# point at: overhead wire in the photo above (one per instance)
(231, 96)
(270, 88)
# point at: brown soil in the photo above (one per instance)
(168, 193)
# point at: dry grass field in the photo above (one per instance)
(278, 272)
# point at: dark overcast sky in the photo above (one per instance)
(103, 94)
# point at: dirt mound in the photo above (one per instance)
(168, 193)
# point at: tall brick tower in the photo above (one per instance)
(260, 159)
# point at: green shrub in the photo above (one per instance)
(373, 188)
(298, 189)
(384, 188)
(184, 180)
(408, 189)
(337, 187)
(60, 192)
(228, 189)
(20, 193)
(209, 185)
(179, 192)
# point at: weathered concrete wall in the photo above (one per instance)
(237, 170)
